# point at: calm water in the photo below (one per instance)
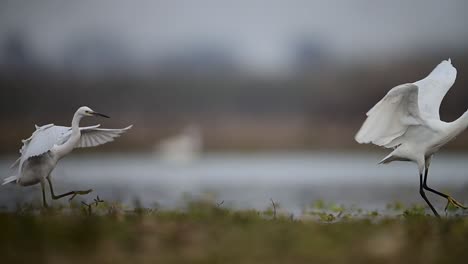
(294, 180)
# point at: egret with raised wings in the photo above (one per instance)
(50, 143)
(407, 120)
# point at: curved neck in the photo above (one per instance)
(72, 141)
(76, 123)
(460, 124)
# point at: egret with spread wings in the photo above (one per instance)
(407, 120)
(50, 143)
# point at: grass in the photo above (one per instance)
(205, 232)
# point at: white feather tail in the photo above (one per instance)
(387, 159)
(9, 179)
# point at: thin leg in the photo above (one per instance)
(450, 200)
(423, 195)
(44, 201)
(72, 193)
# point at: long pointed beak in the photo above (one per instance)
(99, 114)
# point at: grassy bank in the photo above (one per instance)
(208, 233)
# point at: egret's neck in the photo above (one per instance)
(460, 124)
(76, 123)
(71, 143)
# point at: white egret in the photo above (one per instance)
(407, 119)
(50, 143)
(183, 148)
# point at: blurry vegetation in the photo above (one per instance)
(308, 109)
(396, 206)
(205, 232)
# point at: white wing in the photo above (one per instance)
(45, 137)
(391, 116)
(42, 140)
(93, 136)
(433, 88)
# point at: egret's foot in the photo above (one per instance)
(455, 203)
(75, 193)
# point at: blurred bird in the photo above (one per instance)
(50, 143)
(407, 119)
(183, 148)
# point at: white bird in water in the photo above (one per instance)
(183, 148)
(50, 143)
(407, 119)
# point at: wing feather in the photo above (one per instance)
(91, 137)
(42, 140)
(391, 116)
(45, 137)
(16, 163)
(434, 87)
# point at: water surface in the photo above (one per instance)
(294, 180)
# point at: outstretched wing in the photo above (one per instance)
(42, 140)
(94, 136)
(46, 137)
(434, 87)
(391, 116)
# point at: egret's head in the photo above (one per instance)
(86, 111)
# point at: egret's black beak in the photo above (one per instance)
(99, 114)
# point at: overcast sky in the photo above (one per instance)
(258, 32)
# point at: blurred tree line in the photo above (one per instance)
(317, 107)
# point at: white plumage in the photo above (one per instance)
(183, 148)
(434, 87)
(47, 136)
(48, 144)
(390, 118)
(408, 119)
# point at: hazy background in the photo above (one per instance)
(276, 76)
(253, 74)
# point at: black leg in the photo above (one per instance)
(44, 201)
(430, 189)
(450, 199)
(73, 193)
(423, 195)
